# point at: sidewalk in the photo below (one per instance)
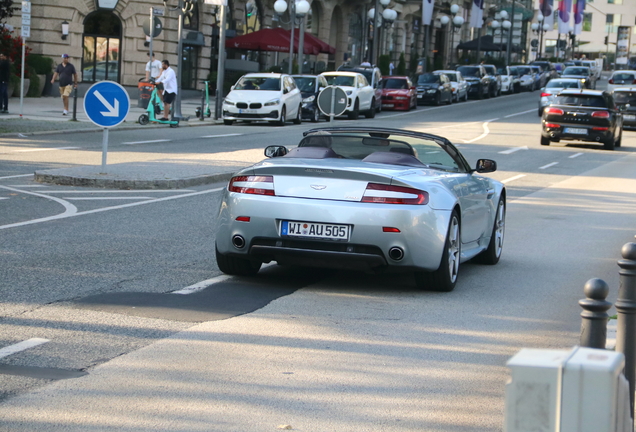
(43, 115)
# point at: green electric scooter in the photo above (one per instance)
(205, 102)
(155, 108)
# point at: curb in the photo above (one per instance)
(111, 183)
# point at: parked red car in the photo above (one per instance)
(398, 93)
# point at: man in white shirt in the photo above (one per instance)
(153, 68)
(169, 80)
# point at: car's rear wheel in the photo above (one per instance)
(232, 265)
(283, 115)
(438, 99)
(492, 254)
(353, 115)
(445, 277)
(619, 140)
(299, 115)
(540, 112)
(371, 112)
(545, 141)
(466, 96)
(610, 143)
(480, 93)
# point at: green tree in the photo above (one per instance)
(401, 67)
(6, 10)
(383, 63)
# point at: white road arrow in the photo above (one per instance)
(113, 111)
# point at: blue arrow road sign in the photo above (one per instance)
(106, 104)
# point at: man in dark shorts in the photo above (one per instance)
(5, 77)
(169, 80)
(68, 80)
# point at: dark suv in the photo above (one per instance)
(583, 115)
(548, 67)
(479, 82)
(495, 80)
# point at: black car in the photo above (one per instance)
(580, 72)
(494, 87)
(479, 83)
(434, 88)
(626, 101)
(583, 115)
(310, 86)
(548, 67)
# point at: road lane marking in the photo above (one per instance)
(512, 150)
(549, 165)
(70, 208)
(221, 136)
(520, 113)
(415, 111)
(103, 209)
(105, 198)
(145, 142)
(517, 177)
(575, 155)
(29, 186)
(486, 131)
(16, 176)
(200, 286)
(41, 149)
(21, 346)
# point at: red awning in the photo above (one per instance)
(269, 40)
(325, 48)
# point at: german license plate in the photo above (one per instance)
(420, 96)
(387, 105)
(247, 111)
(315, 230)
(629, 117)
(575, 131)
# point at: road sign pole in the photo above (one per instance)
(332, 111)
(220, 70)
(152, 32)
(104, 150)
(22, 77)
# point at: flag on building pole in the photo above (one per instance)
(565, 10)
(547, 10)
(477, 14)
(427, 11)
(579, 8)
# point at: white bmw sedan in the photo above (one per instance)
(360, 94)
(263, 96)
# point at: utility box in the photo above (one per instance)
(578, 390)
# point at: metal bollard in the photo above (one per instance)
(75, 104)
(594, 316)
(626, 308)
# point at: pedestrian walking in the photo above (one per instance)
(169, 80)
(68, 80)
(5, 79)
(391, 67)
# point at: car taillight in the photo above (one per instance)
(387, 194)
(554, 111)
(601, 129)
(634, 82)
(546, 94)
(552, 125)
(601, 114)
(611, 81)
(257, 185)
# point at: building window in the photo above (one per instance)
(612, 21)
(618, 2)
(101, 42)
(587, 22)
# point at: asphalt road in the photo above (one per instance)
(109, 343)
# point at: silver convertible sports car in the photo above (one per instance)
(371, 199)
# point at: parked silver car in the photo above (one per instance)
(364, 198)
(549, 92)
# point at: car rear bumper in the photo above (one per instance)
(421, 236)
(561, 133)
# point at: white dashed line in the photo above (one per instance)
(512, 150)
(121, 191)
(575, 155)
(29, 186)
(517, 177)
(21, 346)
(520, 113)
(105, 198)
(42, 149)
(145, 142)
(549, 165)
(16, 176)
(221, 136)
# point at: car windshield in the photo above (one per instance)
(524, 70)
(563, 84)
(451, 77)
(502, 71)
(428, 78)
(623, 77)
(581, 100)
(258, 83)
(339, 80)
(575, 71)
(536, 68)
(490, 69)
(469, 71)
(359, 145)
(306, 84)
(625, 98)
(395, 84)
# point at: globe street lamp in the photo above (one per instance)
(298, 12)
(458, 21)
(377, 23)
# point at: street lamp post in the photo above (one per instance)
(503, 25)
(540, 28)
(511, 33)
(377, 23)
(298, 11)
(457, 22)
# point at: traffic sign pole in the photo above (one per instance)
(333, 104)
(152, 31)
(104, 150)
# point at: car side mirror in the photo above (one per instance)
(275, 151)
(486, 166)
(285, 91)
(232, 88)
(321, 88)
